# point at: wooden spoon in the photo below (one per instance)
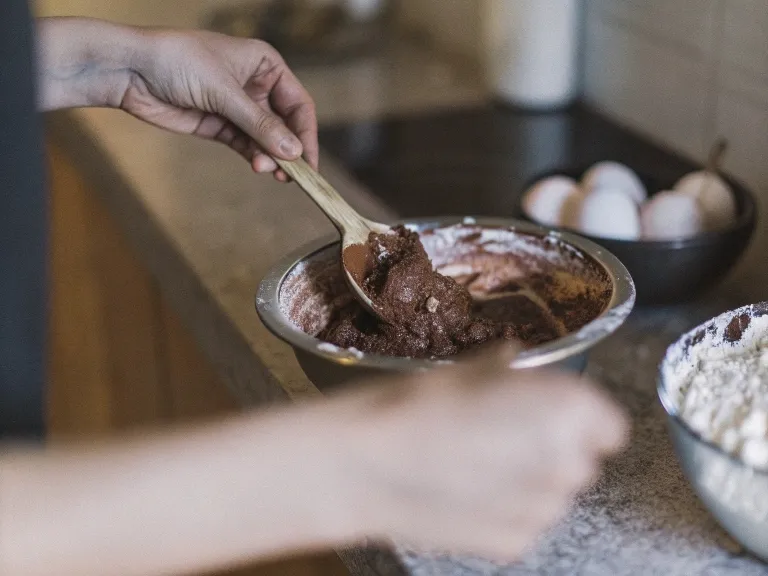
(716, 155)
(714, 160)
(356, 253)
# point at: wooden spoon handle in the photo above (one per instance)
(716, 155)
(343, 216)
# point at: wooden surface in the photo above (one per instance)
(119, 355)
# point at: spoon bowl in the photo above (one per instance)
(355, 230)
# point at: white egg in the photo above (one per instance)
(671, 215)
(614, 175)
(544, 201)
(714, 195)
(606, 213)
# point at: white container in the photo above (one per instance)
(364, 10)
(533, 51)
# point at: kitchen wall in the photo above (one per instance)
(685, 72)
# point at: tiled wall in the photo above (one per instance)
(685, 72)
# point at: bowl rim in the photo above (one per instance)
(672, 410)
(615, 313)
(745, 221)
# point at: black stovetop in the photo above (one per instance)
(478, 161)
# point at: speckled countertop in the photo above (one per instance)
(209, 229)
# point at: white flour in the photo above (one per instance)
(722, 390)
(727, 403)
(717, 380)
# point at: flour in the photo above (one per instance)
(721, 386)
(716, 381)
(727, 403)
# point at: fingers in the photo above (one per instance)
(262, 163)
(598, 421)
(267, 129)
(294, 104)
(220, 129)
(272, 107)
(229, 135)
(588, 415)
(601, 422)
(489, 363)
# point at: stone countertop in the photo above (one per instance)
(209, 229)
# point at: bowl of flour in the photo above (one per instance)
(713, 384)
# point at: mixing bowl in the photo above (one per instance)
(734, 493)
(326, 365)
(675, 271)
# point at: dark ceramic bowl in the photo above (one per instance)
(676, 271)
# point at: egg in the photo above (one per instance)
(606, 213)
(544, 201)
(671, 215)
(715, 196)
(614, 175)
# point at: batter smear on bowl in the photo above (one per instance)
(480, 284)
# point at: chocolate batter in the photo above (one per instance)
(426, 314)
(486, 284)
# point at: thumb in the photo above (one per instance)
(266, 128)
(490, 361)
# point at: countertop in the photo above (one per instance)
(209, 229)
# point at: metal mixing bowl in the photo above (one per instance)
(735, 494)
(327, 367)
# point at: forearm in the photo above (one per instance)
(84, 62)
(183, 502)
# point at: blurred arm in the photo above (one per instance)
(175, 503)
(83, 62)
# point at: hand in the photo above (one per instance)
(475, 458)
(236, 91)
(239, 92)
(478, 459)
